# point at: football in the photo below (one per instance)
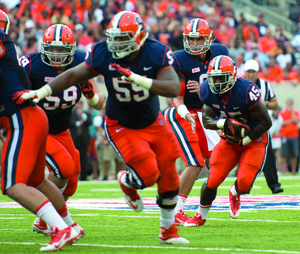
(244, 132)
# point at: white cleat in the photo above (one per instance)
(170, 236)
(41, 227)
(132, 197)
(61, 238)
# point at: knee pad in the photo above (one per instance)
(167, 200)
(134, 180)
(62, 167)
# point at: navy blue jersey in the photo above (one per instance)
(58, 107)
(13, 77)
(133, 106)
(243, 96)
(189, 67)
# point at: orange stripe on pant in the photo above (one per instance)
(23, 157)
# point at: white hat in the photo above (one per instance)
(78, 27)
(29, 24)
(251, 65)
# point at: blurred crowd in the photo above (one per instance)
(165, 21)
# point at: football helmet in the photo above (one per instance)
(221, 74)
(126, 33)
(4, 22)
(197, 28)
(58, 46)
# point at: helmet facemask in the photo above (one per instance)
(51, 57)
(121, 44)
(220, 82)
(196, 49)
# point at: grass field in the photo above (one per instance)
(267, 223)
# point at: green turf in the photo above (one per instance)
(124, 231)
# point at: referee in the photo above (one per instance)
(269, 99)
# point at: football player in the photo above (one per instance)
(232, 103)
(23, 153)
(58, 54)
(196, 143)
(136, 69)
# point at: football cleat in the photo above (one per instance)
(181, 217)
(41, 227)
(78, 229)
(196, 221)
(170, 236)
(131, 195)
(61, 238)
(234, 205)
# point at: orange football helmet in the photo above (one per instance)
(221, 74)
(58, 46)
(4, 22)
(197, 28)
(126, 33)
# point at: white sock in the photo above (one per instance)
(180, 202)
(203, 173)
(167, 217)
(233, 190)
(203, 210)
(123, 181)
(48, 214)
(62, 189)
(68, 219)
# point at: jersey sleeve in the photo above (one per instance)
(94, 58)
(204, 92)
(253, 95)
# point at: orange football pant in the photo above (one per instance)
(150, 152)
(63, 159)
(23, 157)
(227, 155)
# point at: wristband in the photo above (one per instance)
(182, 110)
(43, 92)
(246, 140)
(94, 100)
(140, 80)
(220, 123)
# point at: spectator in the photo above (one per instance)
(162, 34)
(240, 66)
(251, 42)
(250, 27)
(235, 47)
(275, 133)
(79, 123)
(289, 137)
(284, 57)
(92, 148)
(295, 12)
(60, 17)
(261, 25)
(31, 46)
(84, 41)
(266, 42)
